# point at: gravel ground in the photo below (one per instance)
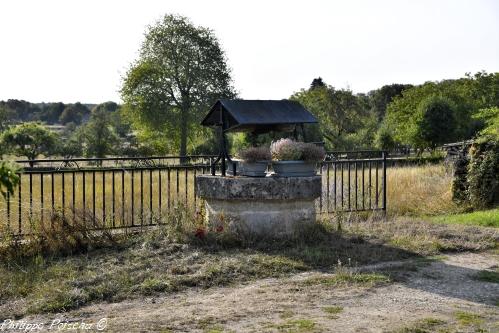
(438, 289)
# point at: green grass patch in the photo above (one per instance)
(426, 325)
(296, 326)
(332, 309)
(483, 218)
(468, 318)
(488, 276)
(348, 278)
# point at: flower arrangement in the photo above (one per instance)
(289, 150)
(255, 154)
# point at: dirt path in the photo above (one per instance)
(436, 290)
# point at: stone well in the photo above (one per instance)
(266, 206)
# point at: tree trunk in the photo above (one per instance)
(183, 135)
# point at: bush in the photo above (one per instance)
(255, 154)
(483, 174)
(8, 179)
(435, 123)
(289, 150)
(477, 181)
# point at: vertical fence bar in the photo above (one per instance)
(104, 198)
(349, 186)
(52, 195)
(93, 197)
(370, 185)
(334, 184)
(150, 197)
(327, 187)
(63, 186)
(73, 199)
(113, 195)
(41, 198)
(132, 177)
(168, 188)
(186, 188)
(123, 197)
(141, 196)
(376, 184)
(322, 192)
(177, 183)
(84, 195)
(384, 182)
(363, 185)
(159, 193)
(19, 204)
(194, 194)
(30, 198)
(356, 187)
(342, 181)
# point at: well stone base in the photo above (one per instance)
(267, 207)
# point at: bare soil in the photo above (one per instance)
(439, 289)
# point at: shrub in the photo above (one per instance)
(476, 181)
(483, 174)
(255, 154)
(8, 179)
(289, 150)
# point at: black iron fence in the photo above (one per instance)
(131, 196)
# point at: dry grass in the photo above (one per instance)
(39, 276)
(420, 190)
(411, 191)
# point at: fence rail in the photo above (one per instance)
(130, 196)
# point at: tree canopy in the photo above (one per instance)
(29, 139)
(180, 72)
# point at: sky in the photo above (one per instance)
(79, 50)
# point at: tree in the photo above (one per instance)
(74, 113)
(180, 72)
(5, 117)
(341, 114)
(30, 140)
(434, 123)
(97, 136)
(317, 83)
(380, 98)
(468, 95)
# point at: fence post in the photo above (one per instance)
(384, 182)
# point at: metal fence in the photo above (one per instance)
(131, 196)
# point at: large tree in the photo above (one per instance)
(180, 72)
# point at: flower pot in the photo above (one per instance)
(294, 168)
(249, 169)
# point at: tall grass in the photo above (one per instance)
(420, 190)
(413, 190)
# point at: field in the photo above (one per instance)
(142, 197)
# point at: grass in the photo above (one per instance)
(484, 218)
(332, 310)
(295, 326)
(425, 325)
(169, 258)
(344, 278)
(420, 190)
(467, 318)
(429, 194)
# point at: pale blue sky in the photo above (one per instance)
(78, 50)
